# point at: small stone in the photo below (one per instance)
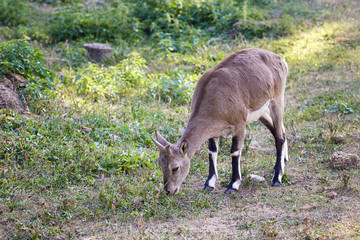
(331, 195)
(256, 178)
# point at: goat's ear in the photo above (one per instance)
(161, 139)
(160, 146)
(168, 150)
(183, 148)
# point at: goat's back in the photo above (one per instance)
(242, 81)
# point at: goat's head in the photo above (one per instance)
(174, 162)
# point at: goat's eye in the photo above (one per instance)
(175, 169)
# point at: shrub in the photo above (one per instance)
(101, 22)
(175, 17)
(125, 79)
(13, 13)
(171, 22)
(75, 55)
(17, 56)
(174, 89)
(130, 79)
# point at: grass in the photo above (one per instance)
(86, 167)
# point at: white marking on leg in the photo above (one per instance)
(239, 170)
(268, 117)
(285, 149)
(282, 161)
(263, 111)
(236, 153)
(236, 184)
(213, 153)
(212, 181)
(214, 159)
(285, 145)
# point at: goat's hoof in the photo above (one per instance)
(208, 188)
(275, 184)
(230, 191)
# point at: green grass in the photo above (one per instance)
(85, 166)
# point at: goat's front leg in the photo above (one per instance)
(213, 175)
(281, 157)
(236, 147)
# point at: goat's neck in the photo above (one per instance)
(196, 132)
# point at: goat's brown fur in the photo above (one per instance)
(238, 85)
(226, 96)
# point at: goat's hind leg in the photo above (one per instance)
(276, 127)
(213, 175)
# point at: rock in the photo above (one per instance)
(11, 99)
(18, 81)
(343, 160)
(98, 52)
(256, 178)
(9, 96)
(331, 195)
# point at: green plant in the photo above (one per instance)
(333, 128)
(174, 89)
(345, 179)
(13, 13)
(344, 108)
(126, 79)
(75, 56)
(269, 231)
(286, 178)
(102, 22)
(17, 56)
(170, 22)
